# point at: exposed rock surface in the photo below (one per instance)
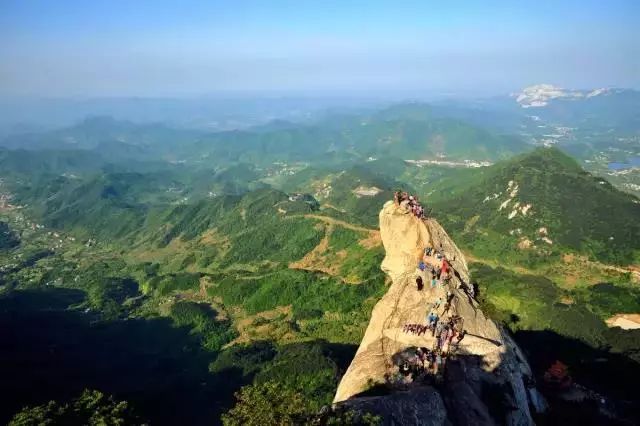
(541, 94)
(485, 375)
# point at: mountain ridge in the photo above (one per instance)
(544, 199)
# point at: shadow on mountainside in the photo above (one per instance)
(50, 353)
(604, 390)
(612, 377)
(460, 392)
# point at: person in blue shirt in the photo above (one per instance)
(431, 318)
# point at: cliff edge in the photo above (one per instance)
(484, 378)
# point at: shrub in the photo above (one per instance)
(90, 408)
(201, 319)
(174, 282)
(108, 294)
(268, 403)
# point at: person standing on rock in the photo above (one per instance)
(460, 337)
(424, 357)
(445, 266)
(443, 337)
(438, 330)
(437, 364)
(452, 334)
(472, 291)
(434, 281)
(397, 198)
(405, 369)
(419, 283)
(437, 303)
(449, 296)
(432, 318)
(404, 200)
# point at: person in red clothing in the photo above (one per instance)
(558, 376)
(445, 267)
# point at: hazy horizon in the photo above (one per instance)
(197, 48)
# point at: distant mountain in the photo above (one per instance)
(202, 113)
(541, 95)
(113, 140)
(543, 203)
(417, 131)
(548, 114)
(407, 131)
(31, 163)
(597, 109)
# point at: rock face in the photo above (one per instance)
(484, 378)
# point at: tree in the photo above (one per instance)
(90, 408)
(268, 403)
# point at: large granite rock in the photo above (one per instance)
(485, 375)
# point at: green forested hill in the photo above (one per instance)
(544, 203)
(406, 131)
(190, 266)
(25, 162)
(272, 274)
(414, 131)
(94, 131)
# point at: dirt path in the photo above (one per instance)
(494, 264)
(248, 330)
(315, 260)
(203, 287)
(567, 259)
(344, 224)
(312, 260)
(633, 269)
(373, 235)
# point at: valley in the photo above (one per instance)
(192, 265)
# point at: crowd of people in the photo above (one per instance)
(404, 199)
(443, 326)
(423, 362)
(442, 271)
(418, 329)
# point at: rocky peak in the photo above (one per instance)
(540, 95)
(485, 379)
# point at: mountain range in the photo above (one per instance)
(249, 261)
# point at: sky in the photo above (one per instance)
(189, 48)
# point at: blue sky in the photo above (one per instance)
(184, 48)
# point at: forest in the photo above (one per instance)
(164, 292)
